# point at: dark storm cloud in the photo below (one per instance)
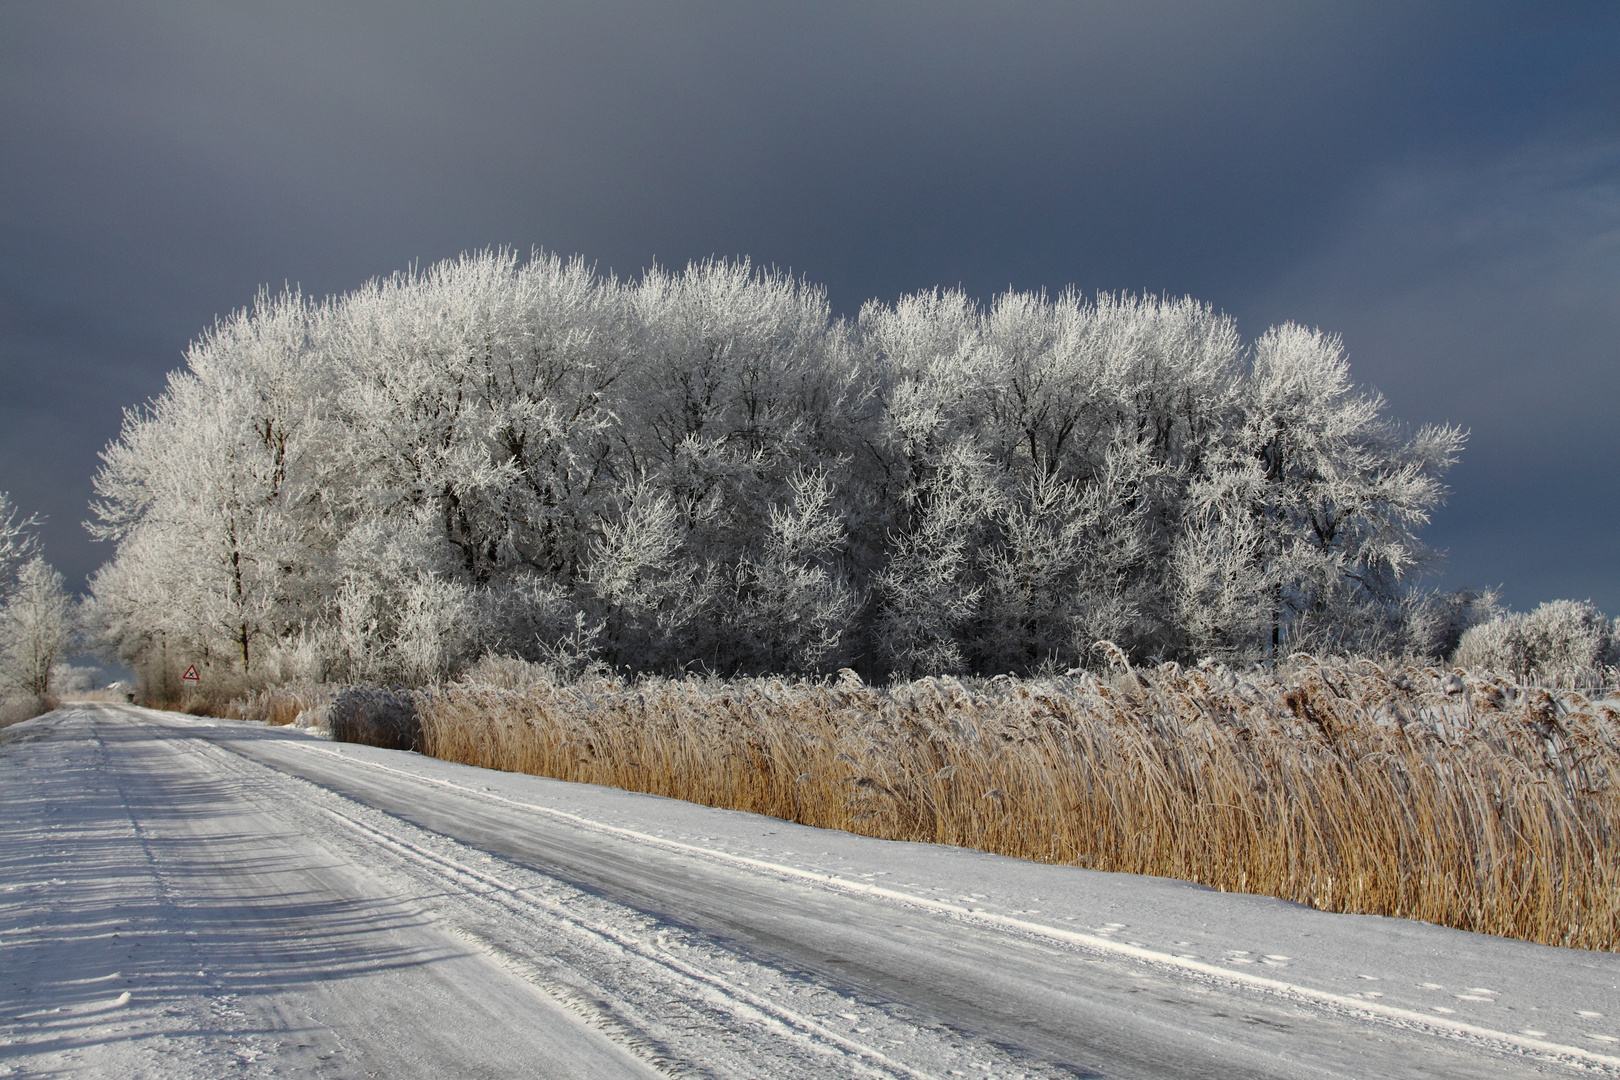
(1436, 182)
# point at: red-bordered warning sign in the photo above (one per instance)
(191, 674)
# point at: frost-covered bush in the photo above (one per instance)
(1563, 642)
(373, 717)
(704, 469)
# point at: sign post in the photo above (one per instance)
(190, 679)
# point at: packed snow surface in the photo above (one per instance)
(198, 898)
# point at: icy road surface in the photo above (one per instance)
(189, 898)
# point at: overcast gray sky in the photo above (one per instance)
(1439, 183)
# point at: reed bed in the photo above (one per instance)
(1456, 798)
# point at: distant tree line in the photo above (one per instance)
(705, 470)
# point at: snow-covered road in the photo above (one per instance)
(194, 898)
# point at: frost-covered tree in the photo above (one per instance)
(480, 392)
(1083, 423)
(37, 616)
(741, 388)
(18, 540)
(934, 484)
(929, 591)
(790, 605)
(211, 493)
(36, 625)
(1323, 494)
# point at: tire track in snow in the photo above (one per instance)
(733, 997)
(821, 1047)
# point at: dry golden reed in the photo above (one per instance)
(1458, 799)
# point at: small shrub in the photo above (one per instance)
(373, 717)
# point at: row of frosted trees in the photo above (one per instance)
(706, 470)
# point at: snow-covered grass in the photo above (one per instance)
(1455, 798)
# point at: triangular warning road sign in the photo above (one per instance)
(191, 674)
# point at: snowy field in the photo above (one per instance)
(200, 898)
